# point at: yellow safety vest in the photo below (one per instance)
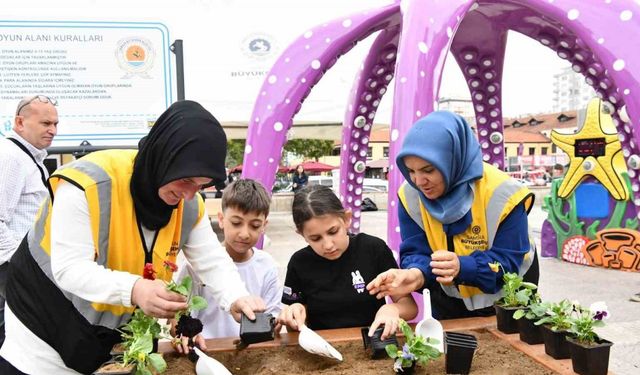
(105, 177)
(495, 196)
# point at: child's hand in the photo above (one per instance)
(396, 282)
(388, 315)
(181, 343)
(247, 305)
(172, 322)
(293, 316)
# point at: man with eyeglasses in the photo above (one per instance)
(23, 177)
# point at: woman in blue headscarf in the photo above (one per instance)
(458, 214)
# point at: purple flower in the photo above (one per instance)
(406, 353)
(599, 315)
(599, 310)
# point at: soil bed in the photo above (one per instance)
(493, 356)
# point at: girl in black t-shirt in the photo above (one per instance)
(325, 286)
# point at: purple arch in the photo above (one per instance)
(290, 80)
(476, 34)
(369, 88)
(593, 36)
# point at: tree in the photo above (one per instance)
(235, 152)
(310, 148)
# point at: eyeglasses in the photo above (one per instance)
(40, 98)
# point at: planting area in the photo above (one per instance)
(493, 356)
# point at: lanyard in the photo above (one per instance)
(21, 146)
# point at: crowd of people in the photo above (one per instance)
(74, 245)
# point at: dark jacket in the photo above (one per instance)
(299, 181)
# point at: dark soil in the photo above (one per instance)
(493, 356)
(188, 326)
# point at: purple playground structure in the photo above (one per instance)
(412, 42)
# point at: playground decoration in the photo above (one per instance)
(595, 151)
(581, 227)
(411, 45)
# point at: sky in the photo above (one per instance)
(221, 76)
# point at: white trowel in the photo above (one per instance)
(428, 326)
(314, 343)
(209, 366)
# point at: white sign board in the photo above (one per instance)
(111, 79)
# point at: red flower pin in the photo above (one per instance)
(170, 266)
(149, 273)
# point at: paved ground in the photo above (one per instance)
(558, 280)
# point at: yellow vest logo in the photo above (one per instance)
(173, 251)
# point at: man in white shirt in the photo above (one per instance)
(23, 176)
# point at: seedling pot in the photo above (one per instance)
(505, 321)
(408, 370)
(555, 343)
(374, 346)
(589, 360)
(529, 332)
(459, 350)
(259, 330)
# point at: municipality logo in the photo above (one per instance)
(135, 56)
(258, 46)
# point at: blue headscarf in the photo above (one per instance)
(446, 141)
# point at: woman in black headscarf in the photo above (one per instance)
(115, 216)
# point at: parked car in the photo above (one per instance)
(368, 184)
(321, 180)
(376, 183)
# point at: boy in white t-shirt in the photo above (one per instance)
(245, 207)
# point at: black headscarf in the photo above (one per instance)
(186, 141)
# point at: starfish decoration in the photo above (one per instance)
(594, 150)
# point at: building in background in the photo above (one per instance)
(570, 91)
(377, 153)
(527, 141)
(463, 107)
(528, 145)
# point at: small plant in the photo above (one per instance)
(138, 337)
(536, 309)
(516, 292)
(415, 349)
(558, 316)
(138, 334)
(586, 320)
(187, 326)
(196, 303)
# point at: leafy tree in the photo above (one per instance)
(235, 152)
(310, 148)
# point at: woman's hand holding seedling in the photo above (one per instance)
(293, 316)
(155, 300)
